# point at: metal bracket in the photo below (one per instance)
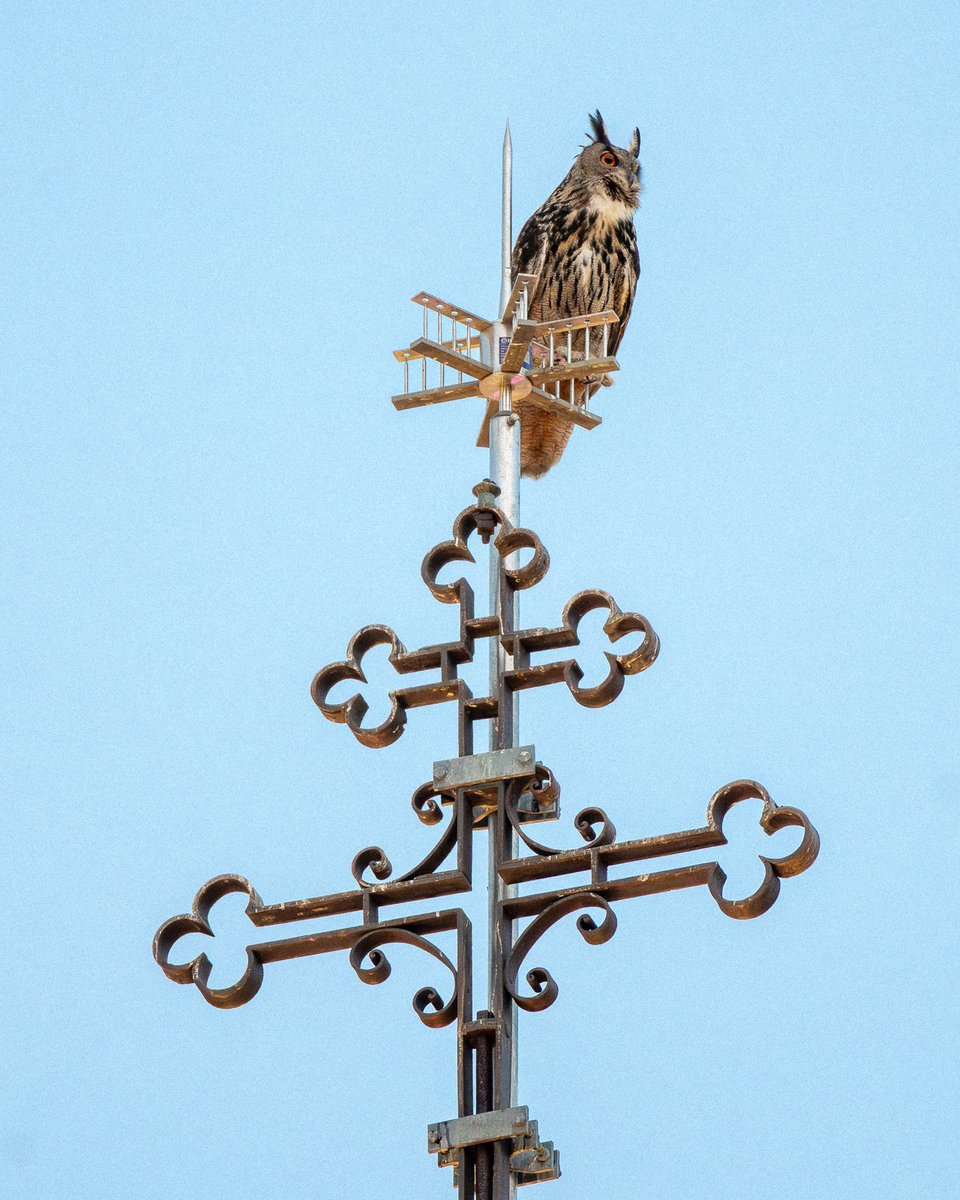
(531, 1160)
(478, 776)
(479, 1128)
(490, 767)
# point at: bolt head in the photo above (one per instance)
(440, 773)
(524, 756)
(486, 488)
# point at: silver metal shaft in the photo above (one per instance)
(505, 472)
(506, 238)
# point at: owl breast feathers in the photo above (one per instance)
(582, 246)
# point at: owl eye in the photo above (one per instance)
(608, 159)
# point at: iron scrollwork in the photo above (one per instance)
(602, 851)
(502, 791)
(447, 657)
(363, 941)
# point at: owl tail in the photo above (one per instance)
(543, 439)
(544, 435)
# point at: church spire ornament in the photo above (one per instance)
(520, 365)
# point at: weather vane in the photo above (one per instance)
(565, 299)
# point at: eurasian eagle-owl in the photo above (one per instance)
(582, 245)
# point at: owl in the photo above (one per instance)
(582, 246)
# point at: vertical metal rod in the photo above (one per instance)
(485, 1102)
(506, 219)
(505, 472)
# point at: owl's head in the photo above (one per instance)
(610, 172)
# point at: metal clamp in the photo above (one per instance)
(488, 768)
(478, 1128)
(531, 1160)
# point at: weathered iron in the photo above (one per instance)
(492, 1144)
(475, 786)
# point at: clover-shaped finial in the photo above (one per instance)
(773, 818)
(617, 625)
(446, 658)
(197, 970)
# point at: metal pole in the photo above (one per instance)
(505, 472)
(506, 219)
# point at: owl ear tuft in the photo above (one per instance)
(599, 129)
(635, 143)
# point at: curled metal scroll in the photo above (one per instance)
(586, 821)
(544, 987)
(362, 942)
(599, 856)
(428, 1004)
(425, 804)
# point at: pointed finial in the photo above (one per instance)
(506, 237)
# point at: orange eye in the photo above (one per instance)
(608, 159)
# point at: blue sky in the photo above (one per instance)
(214, 218)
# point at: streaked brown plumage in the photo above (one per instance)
(582, 244)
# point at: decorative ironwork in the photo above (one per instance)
(602, 851)
(492, 1144)
(447, 657)
(423, 882)
(463, 793)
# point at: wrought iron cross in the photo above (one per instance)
(491, 1143)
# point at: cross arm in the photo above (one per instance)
(602, 852)
(362, 941)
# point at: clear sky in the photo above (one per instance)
(214, 217)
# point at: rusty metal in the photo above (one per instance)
(602, 851)
(464, 795)
(423, 882)
(491, 1144)
(446, 658)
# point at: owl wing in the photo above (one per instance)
(625, 277)
(529, 257)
